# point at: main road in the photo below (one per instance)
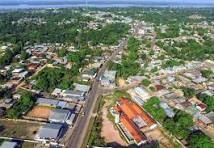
(81, 126)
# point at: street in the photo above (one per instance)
(81, 126)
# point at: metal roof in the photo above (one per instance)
(59, 115)
(8, 144)
(50, 131)
(45, 101)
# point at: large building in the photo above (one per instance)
(131, 119)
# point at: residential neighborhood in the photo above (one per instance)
(107, 77)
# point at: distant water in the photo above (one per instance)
(99, 5)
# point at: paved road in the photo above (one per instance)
(81, 125)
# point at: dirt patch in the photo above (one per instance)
(121, 82)
(40, 112)
(109, 131)
(157, 134)
(19, 129)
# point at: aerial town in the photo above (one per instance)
(134, 77)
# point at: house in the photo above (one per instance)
(134, 79)
(142, 93)
(79, 95)
(210, 115)
(50, 132)
(89, 74)
(57, 92)
(168, 110)
(201, 107)
(81, 87)
(47, 102)
(202, 119)
(9, 144)
(59, 115)
(108, 78)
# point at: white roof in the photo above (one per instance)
(17, 70)
(81, 87)
(8, 144)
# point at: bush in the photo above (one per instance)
(146, 82)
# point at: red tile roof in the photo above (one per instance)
(133, 130)
(132, 110)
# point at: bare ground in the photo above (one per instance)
(109, 131)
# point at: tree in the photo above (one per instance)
(207, 73)
(188, 92)
(199, 140)
(24, 55)
(146, 82)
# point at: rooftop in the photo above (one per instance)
(50, 131)
(59, 115)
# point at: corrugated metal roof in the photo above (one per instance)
(59, 115)
(50, 131)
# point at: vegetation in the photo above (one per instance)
(179, 125)
(129, 66)
(191, 50)
(188, 92)
(208, 100)
(207, 73)
(109, 35)
(172, 63)
(50, 78)
(146, 82)
(26, 101)
(199, 139)
(152, 106)
(95, 138)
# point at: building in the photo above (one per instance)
(142, 93)
(9, 144)
(81, 87)
(168, 110)
(50, 132)
(74, 95)
(108, 78)
(59, 115)
(201, 107)
(57, 92)
(89, 74)
(130, 119)
(47, 102)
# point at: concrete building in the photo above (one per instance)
(130, 119)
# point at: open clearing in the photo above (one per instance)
(40, 112)
(109, 131)
(18, 129)
(164, 140)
